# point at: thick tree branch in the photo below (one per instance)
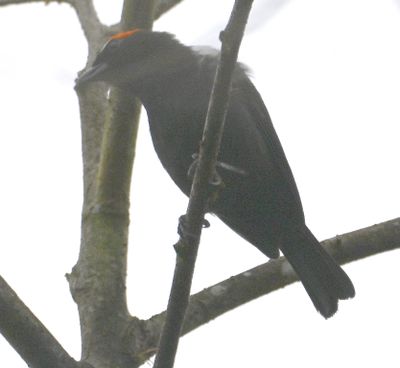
(33, 342)
(223, 297)
(130, 11)
(188, 244)
(98, 280)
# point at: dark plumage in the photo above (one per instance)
(259, 200)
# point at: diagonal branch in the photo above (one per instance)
(93, 29)
(276, 274)
(188, 244)
(164, 6)
(27, 335)
(225, 296)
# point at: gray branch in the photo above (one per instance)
(93, 29)
(27, 335)
(276, 274)
(164, 6)
(225, 296)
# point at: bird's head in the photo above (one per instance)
(136, 57)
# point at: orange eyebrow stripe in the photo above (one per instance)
(122, 35)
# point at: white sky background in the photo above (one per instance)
(330, 77)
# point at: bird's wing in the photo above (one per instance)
(264, 128)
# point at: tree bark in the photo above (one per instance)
(98, 280)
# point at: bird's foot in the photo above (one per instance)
(183, 230)
(186, 235)
(193, 165)
(216, 180)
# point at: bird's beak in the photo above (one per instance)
(94, 73)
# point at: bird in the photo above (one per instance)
(259, 199)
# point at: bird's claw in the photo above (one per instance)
(182, 227)
(186, 235)
(231, 168)
(216, 180)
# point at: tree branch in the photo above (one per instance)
(225, 296)
(132, 10)
(98, 281)
(164, 6)
(276, 274)
(27, 335)
(188, 243)
(93, 29)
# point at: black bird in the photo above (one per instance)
(259, 199)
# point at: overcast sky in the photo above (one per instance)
(328, 71)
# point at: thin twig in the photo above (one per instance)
(27, 335)
(187, 246)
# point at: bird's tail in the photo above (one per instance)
(323, 279)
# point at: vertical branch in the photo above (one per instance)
(118, 146)
(138, 14)
(187, 246)
(98, 281)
